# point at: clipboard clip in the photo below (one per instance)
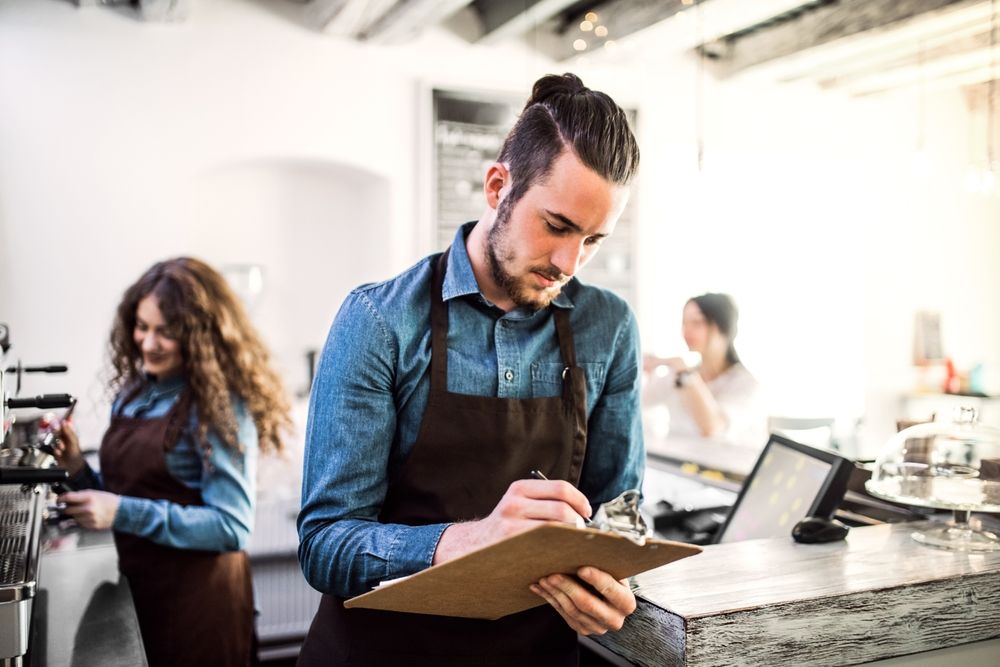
(621, 516)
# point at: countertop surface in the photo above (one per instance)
(877, 595)
(84, 614)
(753, 573)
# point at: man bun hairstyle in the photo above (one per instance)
(563, 113)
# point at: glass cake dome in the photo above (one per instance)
(952, 465)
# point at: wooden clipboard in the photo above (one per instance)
(493, 582)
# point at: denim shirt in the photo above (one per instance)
(371, 389)
(225, 520)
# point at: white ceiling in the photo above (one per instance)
(862, 47)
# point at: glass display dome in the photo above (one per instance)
(952, 465)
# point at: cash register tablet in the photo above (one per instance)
(790, 481)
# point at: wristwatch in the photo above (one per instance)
(682, 377)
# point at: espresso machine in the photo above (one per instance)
(27, 472)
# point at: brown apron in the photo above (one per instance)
(468, 451)
(194, 607)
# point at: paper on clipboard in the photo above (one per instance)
(493, 582)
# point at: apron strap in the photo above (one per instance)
(565, 334)
(439, 326)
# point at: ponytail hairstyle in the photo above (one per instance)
(720, 310)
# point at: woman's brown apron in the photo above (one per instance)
(194, 607)
(468, 451)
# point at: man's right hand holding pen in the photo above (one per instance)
(526, 504)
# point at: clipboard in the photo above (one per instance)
(493, 582)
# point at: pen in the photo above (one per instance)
(69, 412)
(537, 474)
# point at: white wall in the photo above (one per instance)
(239, 136)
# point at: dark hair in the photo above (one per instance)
(720, 310)
(563, 113)
(222, 353)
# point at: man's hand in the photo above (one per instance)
(91, 509)
(526, 504)
(588, 612)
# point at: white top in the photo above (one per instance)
(738, 395)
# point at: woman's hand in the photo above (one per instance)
(67, 448)
(650, 362)
(592, 609)
(676, 364)
(91, 509)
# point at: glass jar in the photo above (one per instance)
(952, 465)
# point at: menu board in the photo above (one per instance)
(469, 129)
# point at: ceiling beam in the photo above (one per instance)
(933, 39)
(322, 14)
(928, 31)
(920, 58)
(696, 24)
(504, 19)
(164, 11)
(821, 28)
(621, 18)
(963, 68)
(407, 18)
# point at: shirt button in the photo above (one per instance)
(509, 375)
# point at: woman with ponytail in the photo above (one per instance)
(719, 398)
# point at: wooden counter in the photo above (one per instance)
(774, 602)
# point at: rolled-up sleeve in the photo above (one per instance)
(225, 519)
(343, 548)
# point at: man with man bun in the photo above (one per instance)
(439, 390)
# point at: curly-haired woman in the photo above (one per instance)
(196, 398)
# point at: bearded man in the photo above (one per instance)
(440, 389)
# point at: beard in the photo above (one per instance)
(499, 256)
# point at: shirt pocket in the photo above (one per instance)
(547, 380)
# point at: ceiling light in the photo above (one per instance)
(580, 45)
(591, 16)
(610, 44)
(601, 31)
(586, 26)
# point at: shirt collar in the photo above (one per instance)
(459, 280)
(161, 387)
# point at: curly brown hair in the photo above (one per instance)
(222, 352)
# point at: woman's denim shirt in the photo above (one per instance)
(371, 389)
(227, 486)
